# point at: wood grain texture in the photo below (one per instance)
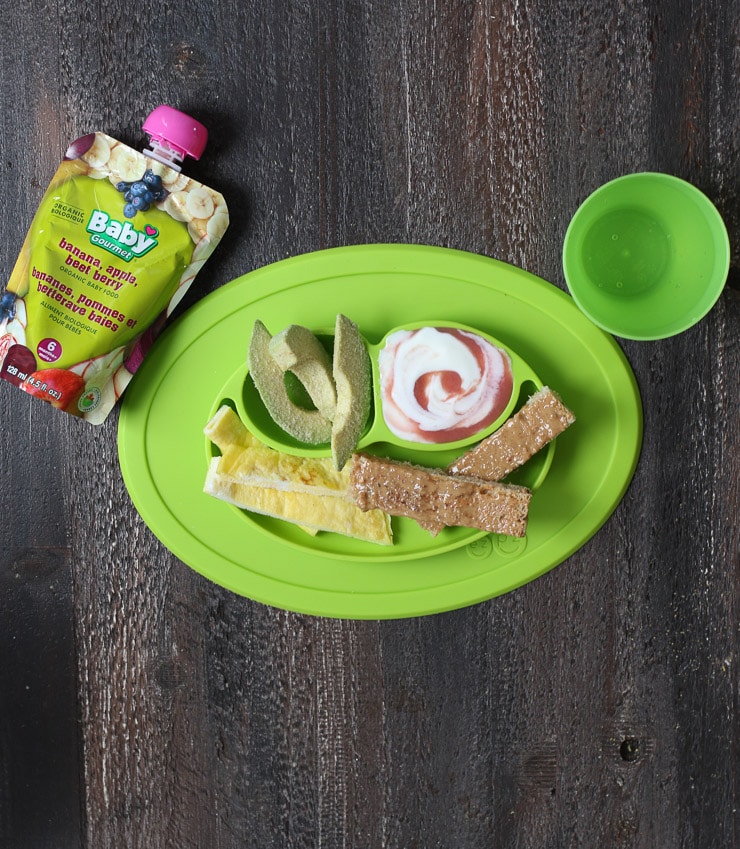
(141, 705)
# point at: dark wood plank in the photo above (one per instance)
(40, 758)
(41, 749)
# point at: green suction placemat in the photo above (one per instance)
(163, 457)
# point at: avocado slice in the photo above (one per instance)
(309, 426)
(353, 380)
(298, 350)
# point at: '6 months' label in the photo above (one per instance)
(49, 350)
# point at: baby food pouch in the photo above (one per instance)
(116, 242)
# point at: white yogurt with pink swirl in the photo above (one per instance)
(441, 384)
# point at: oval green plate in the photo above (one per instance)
(164, 410)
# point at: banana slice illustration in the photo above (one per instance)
(199, 203)
(161, 170)
(197, 229)
(127, 163)
(174, 181)
(97, 173)
(216, 226)
(99, 153)
(174, 206)
(203, 249)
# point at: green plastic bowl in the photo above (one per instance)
(646, 256)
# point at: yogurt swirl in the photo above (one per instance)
(441, 384)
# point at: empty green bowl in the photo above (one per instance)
(646, 256)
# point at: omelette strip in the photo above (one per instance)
(260, 465)
(315, 512)
(249, 461)
(226, 429)
(305, 491)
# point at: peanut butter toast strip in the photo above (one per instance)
(435, 499)
(538, 422)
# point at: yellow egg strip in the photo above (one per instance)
(306, 491)
(315, 512)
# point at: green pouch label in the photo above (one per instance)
(117, 240)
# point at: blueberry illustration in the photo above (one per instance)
(152, 180)
(141, 194)
(7, 306)
(139, 203)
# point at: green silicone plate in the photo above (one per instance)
(192, 368)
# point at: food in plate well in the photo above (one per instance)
(298, 350)
(304, 491)
(442, 384)
(435, 499)
(308, 426)
(438, 384)
(537, 423)
(225, 430)
(339, 386)
(247, 460)
(313, 512)
(353, 379)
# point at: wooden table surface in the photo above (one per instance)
(142, 705)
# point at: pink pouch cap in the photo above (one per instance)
(177, 131)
